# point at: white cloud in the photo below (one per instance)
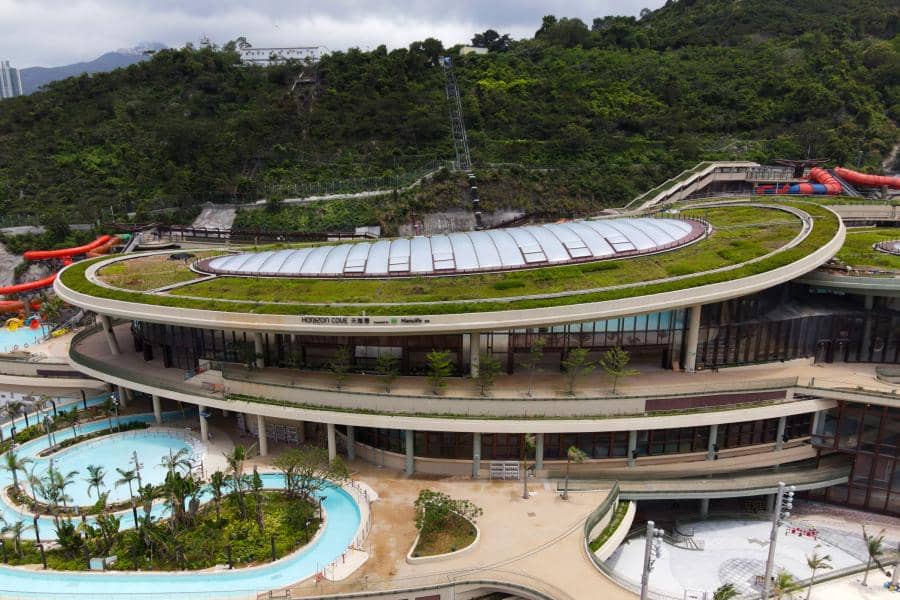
(54, 32)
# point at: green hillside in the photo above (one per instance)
(610, 108)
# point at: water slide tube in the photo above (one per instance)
(65, 252)
(869, 180)
(105, 247)
(823, 182)
(17, 306)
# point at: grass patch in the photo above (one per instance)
(858, 252)
(456, 534)
(150, 272)
(614, 522)
(445, 290)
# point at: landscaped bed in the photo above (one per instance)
(857, 251)
(742, 233)
(457, 533)
(144, 273)
(445, 524)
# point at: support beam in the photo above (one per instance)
(259, 349)
(713, 441)
(157, 409)
(332, 441)
(632, 444)
(261, 434)
(410, 452)
(106, 324)
(301, 433)
(538, 451)
(351, 442)
(704, 508)
(476, 455)
(818, 423)
(204, 426)
(693, 336)
(779, 434)
(122, 394)
(474, 353)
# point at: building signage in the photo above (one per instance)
(364, 321)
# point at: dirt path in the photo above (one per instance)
(215, 217)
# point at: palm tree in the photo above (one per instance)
(235, 460)
(14, 408)
(573, 455)
(16, 530)
(216, 486)
(174, 460)
(59, 481)
(72, 419)
(35, 483)
(108, 408)
(815, 562)
(784, 583)
(126, 478)
(41, 405)
(14, 464)
(94, 478)
(874, 545)
(725, 591)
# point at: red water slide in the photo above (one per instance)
(27, 287)
(65, 252)
(16, 306)
(864, 179)
(832, 186)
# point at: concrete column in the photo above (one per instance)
(632, 444)
(157, 409)
(704, 508)
(770, 503)
(301, 433)
(713, 440)
(476, 455)
(693, 335)
(106, 324)
(538, 451)
(867, 329)
(474, 353)
(261, 434)
(818, 423)
(259, 348)
(332, 441)
(204, 426)
(869, 301)
(224, 413)
(410, 452)
(351, 442)
(123, 396)
(779, 434)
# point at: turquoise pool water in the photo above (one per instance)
(20, 337)
(342, 523)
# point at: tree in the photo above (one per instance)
(440, 366)
(175, 460)
(615, 362)
(533, 362)
(216, 487)
(108, 408)
(71, 418)
(816, 562)
(784, 583)
(435, 510)
(307, 470)
(387, 367)
(256, 485)
(576, 365)
(726, 591)
(127, 477)
(488, 369)
(874, 545)
(573, 455)
(14, 464)
(340, 365)
(14, 408)
(94, 478)
(235, 460)
(16, 530)
(491, 40)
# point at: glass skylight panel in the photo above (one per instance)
(316, 260)
(357, 258)
(334, 262)
(398, 261)
(255, 261)
(531, 250)
(637, 237)
(614, 237)
(273, 264)
(570, 240)
(488, 257)
(420, 260)
(550, 244)
(442, 253)
(463, 252)
(378, 258)
(507, 249)
(295, 261)
(598, 246)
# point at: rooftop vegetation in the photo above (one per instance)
(858, 251)
(742, 233)
(144, 273)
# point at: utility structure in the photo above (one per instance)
(460, 139)
(784, 502)
(652, 551)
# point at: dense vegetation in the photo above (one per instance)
(612, 108)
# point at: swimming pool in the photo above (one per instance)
(20, 339)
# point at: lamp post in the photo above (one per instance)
(784, 502)
(652, 551)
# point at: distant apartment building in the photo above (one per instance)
(10, 81)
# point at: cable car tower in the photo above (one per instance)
(460, 139)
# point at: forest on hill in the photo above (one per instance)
(610, 108)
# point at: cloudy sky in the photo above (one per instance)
(55, 32)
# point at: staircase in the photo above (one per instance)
(460, 139)
(848, 189)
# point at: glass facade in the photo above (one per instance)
(869, 433)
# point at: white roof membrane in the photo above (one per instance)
(474, 251)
